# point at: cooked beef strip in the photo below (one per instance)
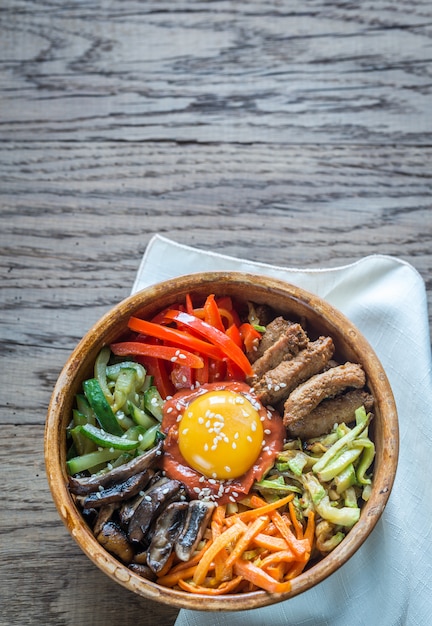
(273, 331)
(274, 386)
(307, 396)
(287, 345)
(329, 412)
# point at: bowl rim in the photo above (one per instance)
(115, 569)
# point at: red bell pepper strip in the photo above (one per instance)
(233, 332)
(179, 337)
(250, 336)
(215, 336)
(168, 353)
(212, 314)
(157, 368)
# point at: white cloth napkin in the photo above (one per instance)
(388, 581)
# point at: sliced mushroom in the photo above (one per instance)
(115, 540)
(86, 485)
(117, 492)
(142, 570)
(104, 515)
(168, 527)
(154, 500)
(198, 515)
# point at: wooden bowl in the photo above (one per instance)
(287, 300)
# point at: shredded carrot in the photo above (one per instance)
(225, 587)
(269, 542)
(295, 522)
(259, 577)
(224, 539)
(262, 509)
(310, 529)
(244, 541)
(285, 556)
(240, 555)
(172, 578)
(299, 546)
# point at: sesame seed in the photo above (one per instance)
(249, 438)
(269, 386)
(196, 489)
(179, 418)
(267, 431)
(206, 447)
(233, 445)
(200, 420)
(276, 387)
(253, 427)
(169, 409)
(227, 469)
(182, 356)
(141, 493)
(147, 498)
(140, 437)
(283, 385)
(213, 447)
(173, 359)
(232, 499)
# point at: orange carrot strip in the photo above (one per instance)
(295, 522)
(296, 569)
(273, 544)
(171, 579)
(225, 587)
(224, 539)
(244, 541)
(259, 577)
(251, 514)
(300, 547)
(310, 529)
(286, 556)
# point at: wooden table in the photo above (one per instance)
(286, 132)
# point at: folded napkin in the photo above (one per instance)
(388, 581)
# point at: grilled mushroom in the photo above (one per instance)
(168, 526)
(117, 492)
(115, 540)
(198, 515)
(88, 484)
(155, 498)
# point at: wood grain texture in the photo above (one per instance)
(296, 134)
(247, 72)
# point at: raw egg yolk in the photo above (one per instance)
(220, 434)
